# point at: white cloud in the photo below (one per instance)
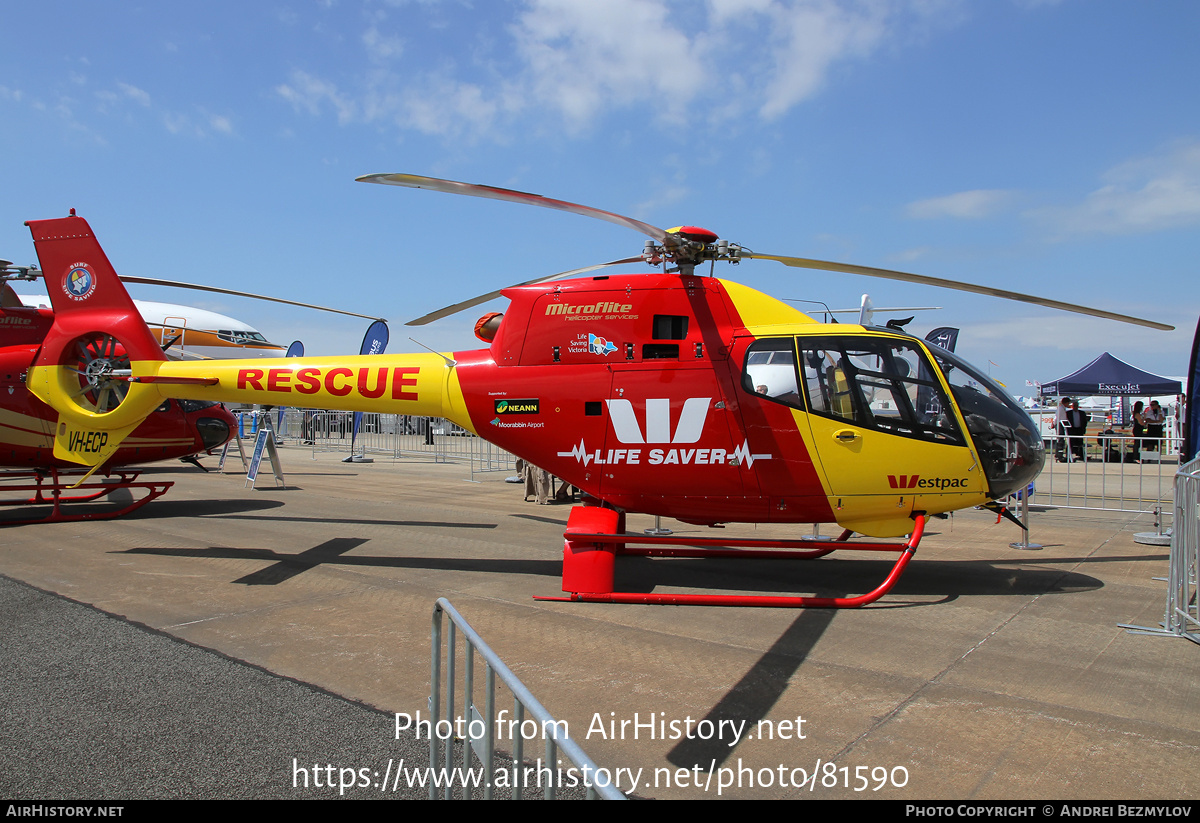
(967, 205)
(219, 123)
(200, 126)
(1161, 191)
(809, 38)
(1085, 337)
(582, 57)
(665, 195)
(381, 47)
(308, 93)
(678, 62)
(134, 93)
(443, 106)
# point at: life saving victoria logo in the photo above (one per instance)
(80, 282)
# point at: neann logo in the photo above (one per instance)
(529, 406)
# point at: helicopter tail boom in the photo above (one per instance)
(103, 371)
(417, 384)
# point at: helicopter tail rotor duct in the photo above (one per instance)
(103, 371)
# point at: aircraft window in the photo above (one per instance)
(878, 383)
(660, 351)
(196, 405)
(1008, 445)
(232, 336)
(771, 371)
(670, 327)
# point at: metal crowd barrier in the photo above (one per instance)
(1117, 473)
(1182, 616)
(481, 727)
(395, 435)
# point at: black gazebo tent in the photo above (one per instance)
(1106, 375)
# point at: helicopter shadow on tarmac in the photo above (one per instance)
(752, 698)
(285, 566)
(832, 577)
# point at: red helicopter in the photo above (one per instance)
(672, 393)
(174, 429)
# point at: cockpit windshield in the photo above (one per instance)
(881, 383)
(1007, 440)
(888, 384)
(241, 337)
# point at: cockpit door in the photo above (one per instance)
(887, 440)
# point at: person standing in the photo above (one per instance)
(1139, 429)
(1077, 423)
(1154, 418)
(1060, 428)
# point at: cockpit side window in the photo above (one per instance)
(879, 383)
(770, 371)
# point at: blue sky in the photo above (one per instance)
(1050, 147)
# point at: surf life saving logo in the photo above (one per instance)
(80, 282)
(658, 430)
(598, 345)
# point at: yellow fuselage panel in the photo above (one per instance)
(416, 384)
(874, 480)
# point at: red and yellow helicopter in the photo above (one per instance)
(173, 429)
(672, 393)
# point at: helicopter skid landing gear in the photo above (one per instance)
(595, 536)
(57, 489)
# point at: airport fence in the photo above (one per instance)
(1111, 472)
(1183, 596)
(481, 728)
(395, 435)
(1181, 617)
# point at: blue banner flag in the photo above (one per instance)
(1192, 418)
(294, 350)
(374, 342)
(945, 337)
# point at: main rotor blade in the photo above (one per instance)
(906, 277)
(483, 298)
(415, 181)
(151, 281)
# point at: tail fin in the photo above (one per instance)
(97, 344)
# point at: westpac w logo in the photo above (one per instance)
(658, 420)
(904, 481)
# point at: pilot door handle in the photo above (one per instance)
(845, 435)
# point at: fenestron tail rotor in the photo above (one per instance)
(103, 369)
(687, 246)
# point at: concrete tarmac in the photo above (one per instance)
(987, 673)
